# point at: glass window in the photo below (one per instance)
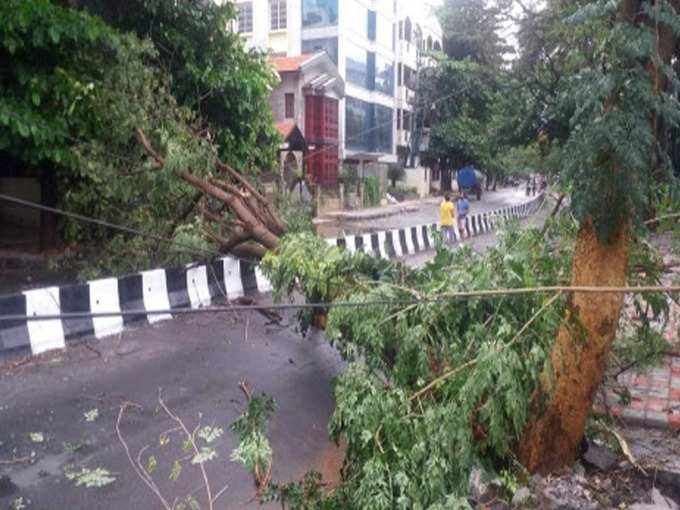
(356, 62)
(329, 45)
(319, 13)
(245, 17)
(278, 15)
(383, 129)
(371, 25)
(357, 124)
(399, 75)
(407, 120)
(384, 75)
(368, 127)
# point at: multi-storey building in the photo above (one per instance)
(375, 46)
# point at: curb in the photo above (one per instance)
(195, 285)
(391, 244)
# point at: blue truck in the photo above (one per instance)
(470, 181)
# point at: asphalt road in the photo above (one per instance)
(428, 212)
(198, 363)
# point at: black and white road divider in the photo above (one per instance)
(393, 244)
(195, 286)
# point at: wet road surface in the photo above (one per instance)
(198, 362)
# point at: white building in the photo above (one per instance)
(369, 42)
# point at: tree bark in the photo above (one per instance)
(579, 358)
(255, 226)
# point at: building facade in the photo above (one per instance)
(375, 53)
(308, 97)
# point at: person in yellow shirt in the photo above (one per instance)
(446, 219)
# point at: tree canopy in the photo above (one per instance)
(78, 86)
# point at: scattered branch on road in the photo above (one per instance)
(137, 465)
(198, 452)
(16, 460)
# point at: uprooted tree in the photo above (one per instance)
(77, 90)
(434, 389)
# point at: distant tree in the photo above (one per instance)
(212, 73)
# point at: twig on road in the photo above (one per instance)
(137, 466)
(16, 460)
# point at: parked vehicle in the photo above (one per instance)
(470, 181)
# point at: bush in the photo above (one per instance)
(372, 190)
(395, 172)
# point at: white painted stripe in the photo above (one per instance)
(44, 335)
(382, 239)
(368, 246)
(410, 248)
(263, 283)
(456, 233)
(351, 244)
(155, 294)
(396, 244)
(420, 238)
(197, 286)
(232, 277)
(104, 298)
(332, 241)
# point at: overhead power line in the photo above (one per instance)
(441, 298)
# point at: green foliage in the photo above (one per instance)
(226, 86)
(296, 213)
(77, 86)
(254, 451)
(413, 448)
(91, 478)
(372, 190)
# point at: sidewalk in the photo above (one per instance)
(654, 393)
(370, 213)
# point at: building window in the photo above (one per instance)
(429, 43)
(398, 119)
(401, 30)
(319, 13)
(368, 126)
(437, 46)
(290, 105)
(245, 17)
(371, 29)
(384, 75)
(407, 120)
(277, 14)
(357, 65)
(399, 78)
(329, 45)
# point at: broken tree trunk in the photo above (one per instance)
(252, 226)
(579, 358)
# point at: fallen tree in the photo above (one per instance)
(246, 222)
